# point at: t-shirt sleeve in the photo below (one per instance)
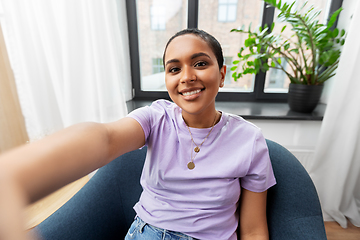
(143, 117)
(260, 175)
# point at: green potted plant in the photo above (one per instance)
(311, 51)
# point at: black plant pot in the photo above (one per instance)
(304, 98)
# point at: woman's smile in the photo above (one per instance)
(190, 93)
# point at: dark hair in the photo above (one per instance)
(209, 39)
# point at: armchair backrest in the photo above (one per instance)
(293, 206)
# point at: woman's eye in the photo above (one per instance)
(174, 70)
(200, 64)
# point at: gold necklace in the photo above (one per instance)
(191, 164)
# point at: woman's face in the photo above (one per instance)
(192, 74)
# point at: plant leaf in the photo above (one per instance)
(334, 17)
(335, 33)
(233, 68)
(272, 26)
(342, 33)
(287, 46)
(320, 30)
(295, 50)
(250, 63)
(320, 37)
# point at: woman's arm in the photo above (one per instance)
(34, 170)
(253, 222)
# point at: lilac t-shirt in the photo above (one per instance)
(201, 202)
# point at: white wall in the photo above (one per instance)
(299, 137)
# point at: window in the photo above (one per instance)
(217, 17)
(157, 65)
(275, 79)
(227, 10)
(157, 17)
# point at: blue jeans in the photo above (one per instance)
(141, 230)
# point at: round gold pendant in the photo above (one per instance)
(197, 149)
(191, 165)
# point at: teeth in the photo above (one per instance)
(191, 93)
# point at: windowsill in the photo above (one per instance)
(254, 110)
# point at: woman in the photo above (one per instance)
(196, 156)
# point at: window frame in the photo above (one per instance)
(258, 95)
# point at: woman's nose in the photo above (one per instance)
(188, 75)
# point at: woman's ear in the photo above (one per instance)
(223, 74)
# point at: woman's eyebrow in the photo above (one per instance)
(171, 61)
(195, 55)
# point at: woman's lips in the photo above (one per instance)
(191, 92)
(191, 95)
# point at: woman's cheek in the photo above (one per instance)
(170, 82)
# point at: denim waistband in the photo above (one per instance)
(164, 231)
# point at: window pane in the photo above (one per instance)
(245, 12)
(276, 80)
(157, 20)
(157, 13)
(158, 66)
(231, 13)
(222, 13)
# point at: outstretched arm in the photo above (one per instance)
(34, 170)
(253, 222)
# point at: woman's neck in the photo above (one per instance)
(201, 120)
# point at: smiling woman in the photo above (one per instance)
(193, 76)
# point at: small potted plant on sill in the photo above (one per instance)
(311, 52)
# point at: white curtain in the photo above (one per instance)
(336, 167)
(70, 60)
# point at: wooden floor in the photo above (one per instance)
(335, 232)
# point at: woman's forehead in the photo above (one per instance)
(187, 43)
